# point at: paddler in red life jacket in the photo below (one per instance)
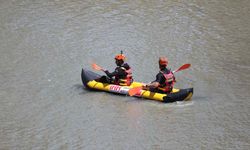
(122, 73)
(165, 79)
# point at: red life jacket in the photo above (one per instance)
(124, 81)
(169, 82)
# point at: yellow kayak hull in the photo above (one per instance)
(88, 79)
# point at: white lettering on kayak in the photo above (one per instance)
(118, 89)
(115, 88)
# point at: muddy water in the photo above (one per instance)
(44, 45)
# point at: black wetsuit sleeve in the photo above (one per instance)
(117, 72)
(160, 78)
(111, 74)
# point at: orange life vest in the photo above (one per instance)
(169, 82)
(124, 81)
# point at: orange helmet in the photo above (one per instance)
(120, 57)
(163, 61)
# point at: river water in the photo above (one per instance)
(44, 45)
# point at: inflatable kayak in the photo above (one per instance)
(89, 81)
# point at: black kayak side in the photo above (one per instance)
(88, 76)
(183, 94)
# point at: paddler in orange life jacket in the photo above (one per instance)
(122, 74)
(165, 79)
